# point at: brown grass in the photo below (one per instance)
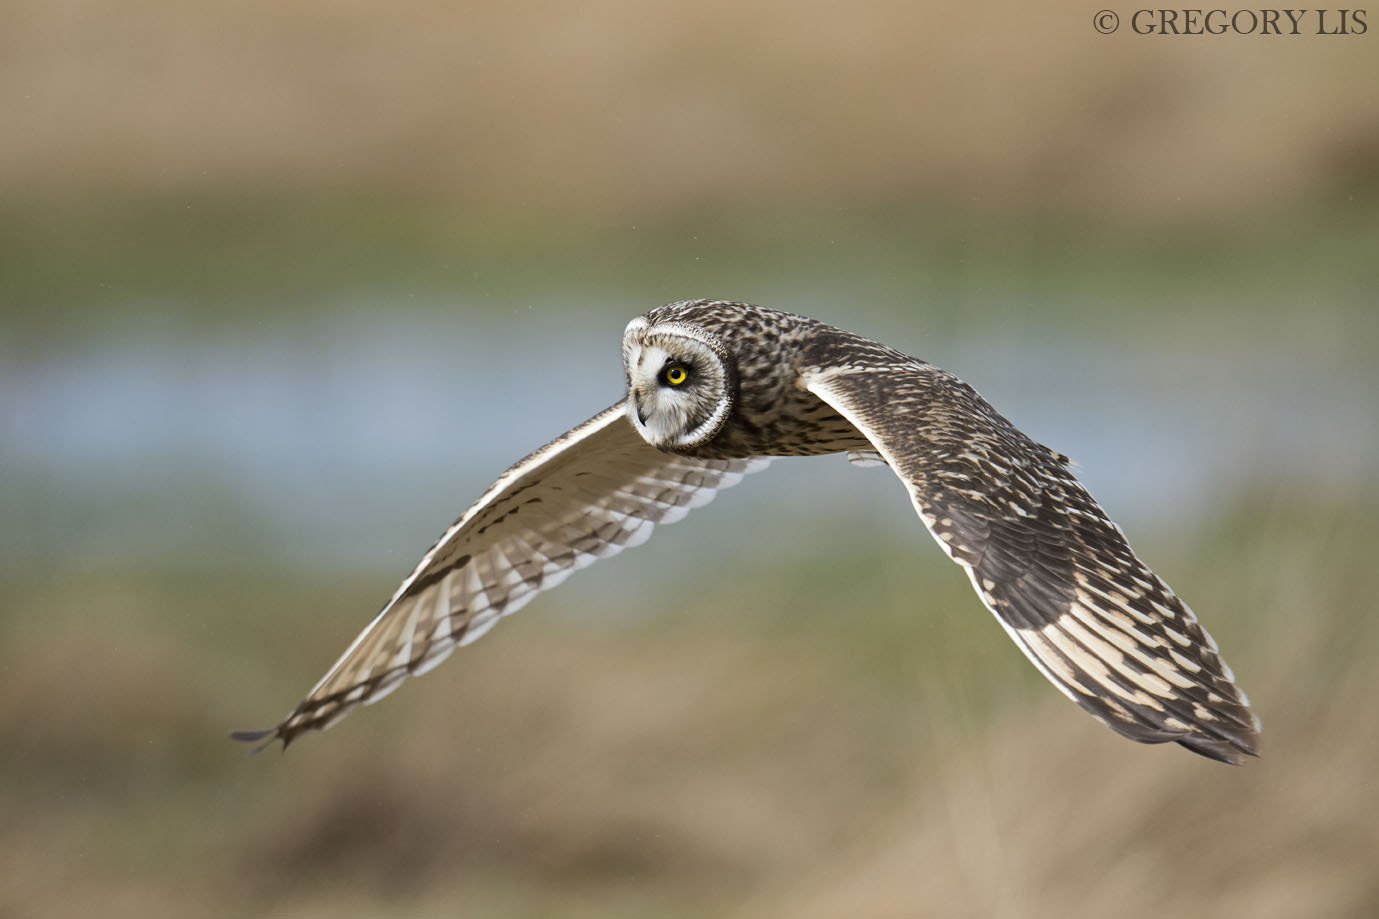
(628, 111)
(730, 760)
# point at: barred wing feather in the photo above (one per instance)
(589, 494)
(1046, 560)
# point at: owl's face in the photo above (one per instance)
(681, 382)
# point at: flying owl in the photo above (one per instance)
(714, 389)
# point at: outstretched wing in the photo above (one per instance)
(586, 495)
(1044, 557)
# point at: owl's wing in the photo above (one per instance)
(586, 495)
(1044, 557)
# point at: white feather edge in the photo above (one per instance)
(817, 382)
(513, 476)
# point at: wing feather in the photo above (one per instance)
(587, 495)
(1046, 560)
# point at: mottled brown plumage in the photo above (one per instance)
(716, 387)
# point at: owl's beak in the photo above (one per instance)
(637, 406)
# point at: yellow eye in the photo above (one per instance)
(675, 374)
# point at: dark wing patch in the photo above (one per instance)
(587, 495)
(1045, 558)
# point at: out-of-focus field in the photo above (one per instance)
(808, 740)
(194, 160)
(632, 110)
(211, 217)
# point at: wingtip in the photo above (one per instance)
(271, 734)
(1234, 751)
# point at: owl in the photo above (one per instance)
(716, 388)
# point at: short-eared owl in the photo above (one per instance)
(713, 389)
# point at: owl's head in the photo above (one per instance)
(681, 382)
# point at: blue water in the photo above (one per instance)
(351, 441)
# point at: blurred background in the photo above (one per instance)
(286, 284)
